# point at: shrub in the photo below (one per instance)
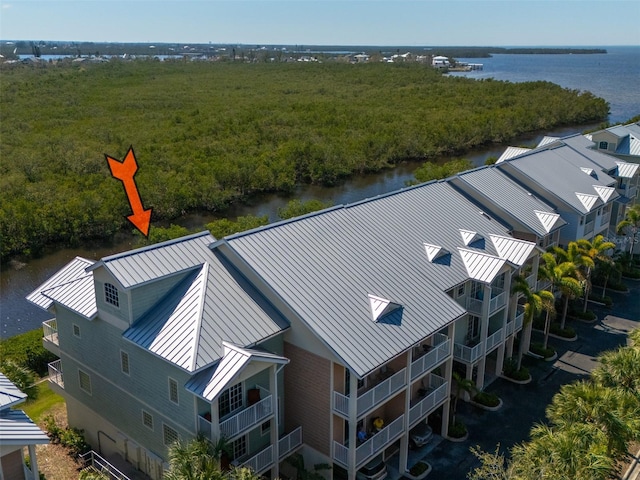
(633, 273)
(419, 468)
(73, 439)
(599, 298)
(567, 332)
(511, 370)
(487, 399)
(543, 352)
(53, 430)
(21, 377)
(457, 429)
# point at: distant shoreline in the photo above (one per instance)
(9, 48)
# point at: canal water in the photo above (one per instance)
(18, 279)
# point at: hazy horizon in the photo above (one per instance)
(501, 23)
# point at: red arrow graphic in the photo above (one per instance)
(125, 171)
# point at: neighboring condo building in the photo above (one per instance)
(333, 334)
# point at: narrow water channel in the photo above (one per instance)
(19, 279)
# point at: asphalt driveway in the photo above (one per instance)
(524, 405)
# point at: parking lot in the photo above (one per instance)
(524, 405)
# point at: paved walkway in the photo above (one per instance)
(524, 405)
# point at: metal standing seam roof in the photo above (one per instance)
(511, 152)
(78, 295)
(630, 145)
(71, 272)
(550, 171)
(546, 140)
(514, 199)
(325, 267)
(10, 395)
(211, 382)
(211, 305)
(16, 428)
(512, 249)
(143, 265)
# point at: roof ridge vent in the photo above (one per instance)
(435, 251)
(381, 307)
(469, 236)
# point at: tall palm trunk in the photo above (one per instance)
(547, 325)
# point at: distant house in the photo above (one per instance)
(440, 62)
(17, 431)
(622, 141)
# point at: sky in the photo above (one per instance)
(327, 22)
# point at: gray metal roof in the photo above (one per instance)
(71, 272)
(78, 295)
(551, 171)
(211, 382)
(16, 428)
(9, 394)
(326, 265)
(146, 264)
(211, 305)
(512, 198)
(511, 152)
(627, 170)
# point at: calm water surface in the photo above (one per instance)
(614, 76)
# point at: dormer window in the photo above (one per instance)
(603, 145)
(111, 294)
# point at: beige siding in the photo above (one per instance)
(309, 376)
(12, 468)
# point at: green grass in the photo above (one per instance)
(46, 400)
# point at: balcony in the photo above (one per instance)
(55, 373)
(372, 397)
(371, 447)
(494, 340)
(604, 220)
(588, 227)
(436, 394)
(263, 460)
(433, 357)
(50, 336)
(532, 281)
(519, 320)
(497, 301)
(468, 353)
(474, 305)
(248, 418)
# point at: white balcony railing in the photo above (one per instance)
(247, 418)
(493, 340)
(432, 358)
(519, 320)
(290, 442)
(55, 373)
(371, 447)
(264, 459)
(532, 281)
(50, 331)
(204, 426)
(604, 220)
(373, 397)
(497, 302)
(466, 353)
(509, 328)
(588, 227)
(437, 394)
(474, 305)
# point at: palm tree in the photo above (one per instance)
(606, 270)
(619, 369)
(591, 254)
(562, 453)
(630, 225)
(462, 385)
(562, 275)
(613, 412)
(535, 304)
(194, 460)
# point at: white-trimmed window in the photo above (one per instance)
(76, 331)
(230, 400)
(124, 362)
(173, 390)
(85, 381)
(147, 419)
(111, 294)
(460, 292)
(240, 447)
(265, 427)
(169, 435)
(603, 145)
